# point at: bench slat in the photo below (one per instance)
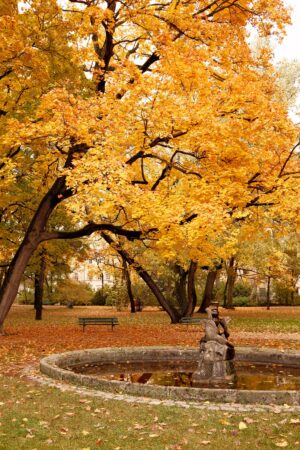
(88, 319)
(191, 320)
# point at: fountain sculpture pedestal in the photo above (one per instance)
(216, 365)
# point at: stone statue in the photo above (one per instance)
(216, 352)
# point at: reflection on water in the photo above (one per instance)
(175, 373)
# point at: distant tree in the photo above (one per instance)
(289, 80)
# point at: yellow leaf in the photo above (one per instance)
(281, 444)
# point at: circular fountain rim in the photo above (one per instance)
(55, 367)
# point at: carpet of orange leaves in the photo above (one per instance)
(27, 340)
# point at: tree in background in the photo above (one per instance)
(289, 81)
(262, 253)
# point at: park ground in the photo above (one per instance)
(34, 416)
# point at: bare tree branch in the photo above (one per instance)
(281, 173)
(87, 230)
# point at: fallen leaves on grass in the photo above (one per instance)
(281, 444)
(27, 340)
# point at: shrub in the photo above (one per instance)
(241, 289)
(27, 299)
(143, 293)
(282, 293)
(100, 297)
(242, 301)
(72, 292)
(117, 296)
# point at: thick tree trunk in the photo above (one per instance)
(191, 290)
(208, 290)
(32, 239)
(293, 297)
(39, 280)
(170, 310)
(13, 278)
(180, 287)
(2, 274)
(230, 286)
(225, 294)
(231, 277)
(128, 285)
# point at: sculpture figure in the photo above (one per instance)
(216, 352)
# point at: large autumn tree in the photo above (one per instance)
(141, 117)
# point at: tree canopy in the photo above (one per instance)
(150, 120)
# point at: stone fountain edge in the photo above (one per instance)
(55, 365)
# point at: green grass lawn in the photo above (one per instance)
(39, 417)
(269, 324)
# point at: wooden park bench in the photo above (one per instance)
(84, 321)
(191, 320)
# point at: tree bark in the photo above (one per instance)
(208, 290)
(225, 294)
(231, 277)
(293, 297)
(170, 310)
(180, 287)
(39, 280)
(191, 290)
(128, 285)
(2, 274)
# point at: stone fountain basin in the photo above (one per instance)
(57, 366)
